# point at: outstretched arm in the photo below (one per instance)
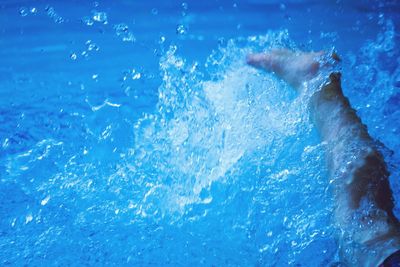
(364, 206)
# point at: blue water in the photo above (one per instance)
(133, 134)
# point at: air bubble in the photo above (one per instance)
(154, 11)
(185, 5)
(73, 56)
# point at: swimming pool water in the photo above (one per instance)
(133, 133)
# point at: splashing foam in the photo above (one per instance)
(205, 130)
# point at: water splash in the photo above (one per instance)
(236, 130)
(228, 156)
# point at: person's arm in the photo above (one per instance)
(364, 204)
(368, 229)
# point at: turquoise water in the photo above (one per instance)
(134, 134)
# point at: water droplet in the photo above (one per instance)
(133, 74)
(121, 28)
(58, 20)
(33, 10)
(73, 56)
(28, 218)
(88, 21)
(154, 11)
(129, 38)
(23, 11)
(172, 50)
(122, 31)
(222, 41)
(45, 200)
(381, 19)
(99, 16)
(52, 14)
(136, 76)
(162, 40)
(181, 29)
(5, 143)
(92, 47)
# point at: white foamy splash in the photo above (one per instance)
(205, 130)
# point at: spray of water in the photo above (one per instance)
(227, 170)
(238, 129)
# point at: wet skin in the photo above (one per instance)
(368, 231)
